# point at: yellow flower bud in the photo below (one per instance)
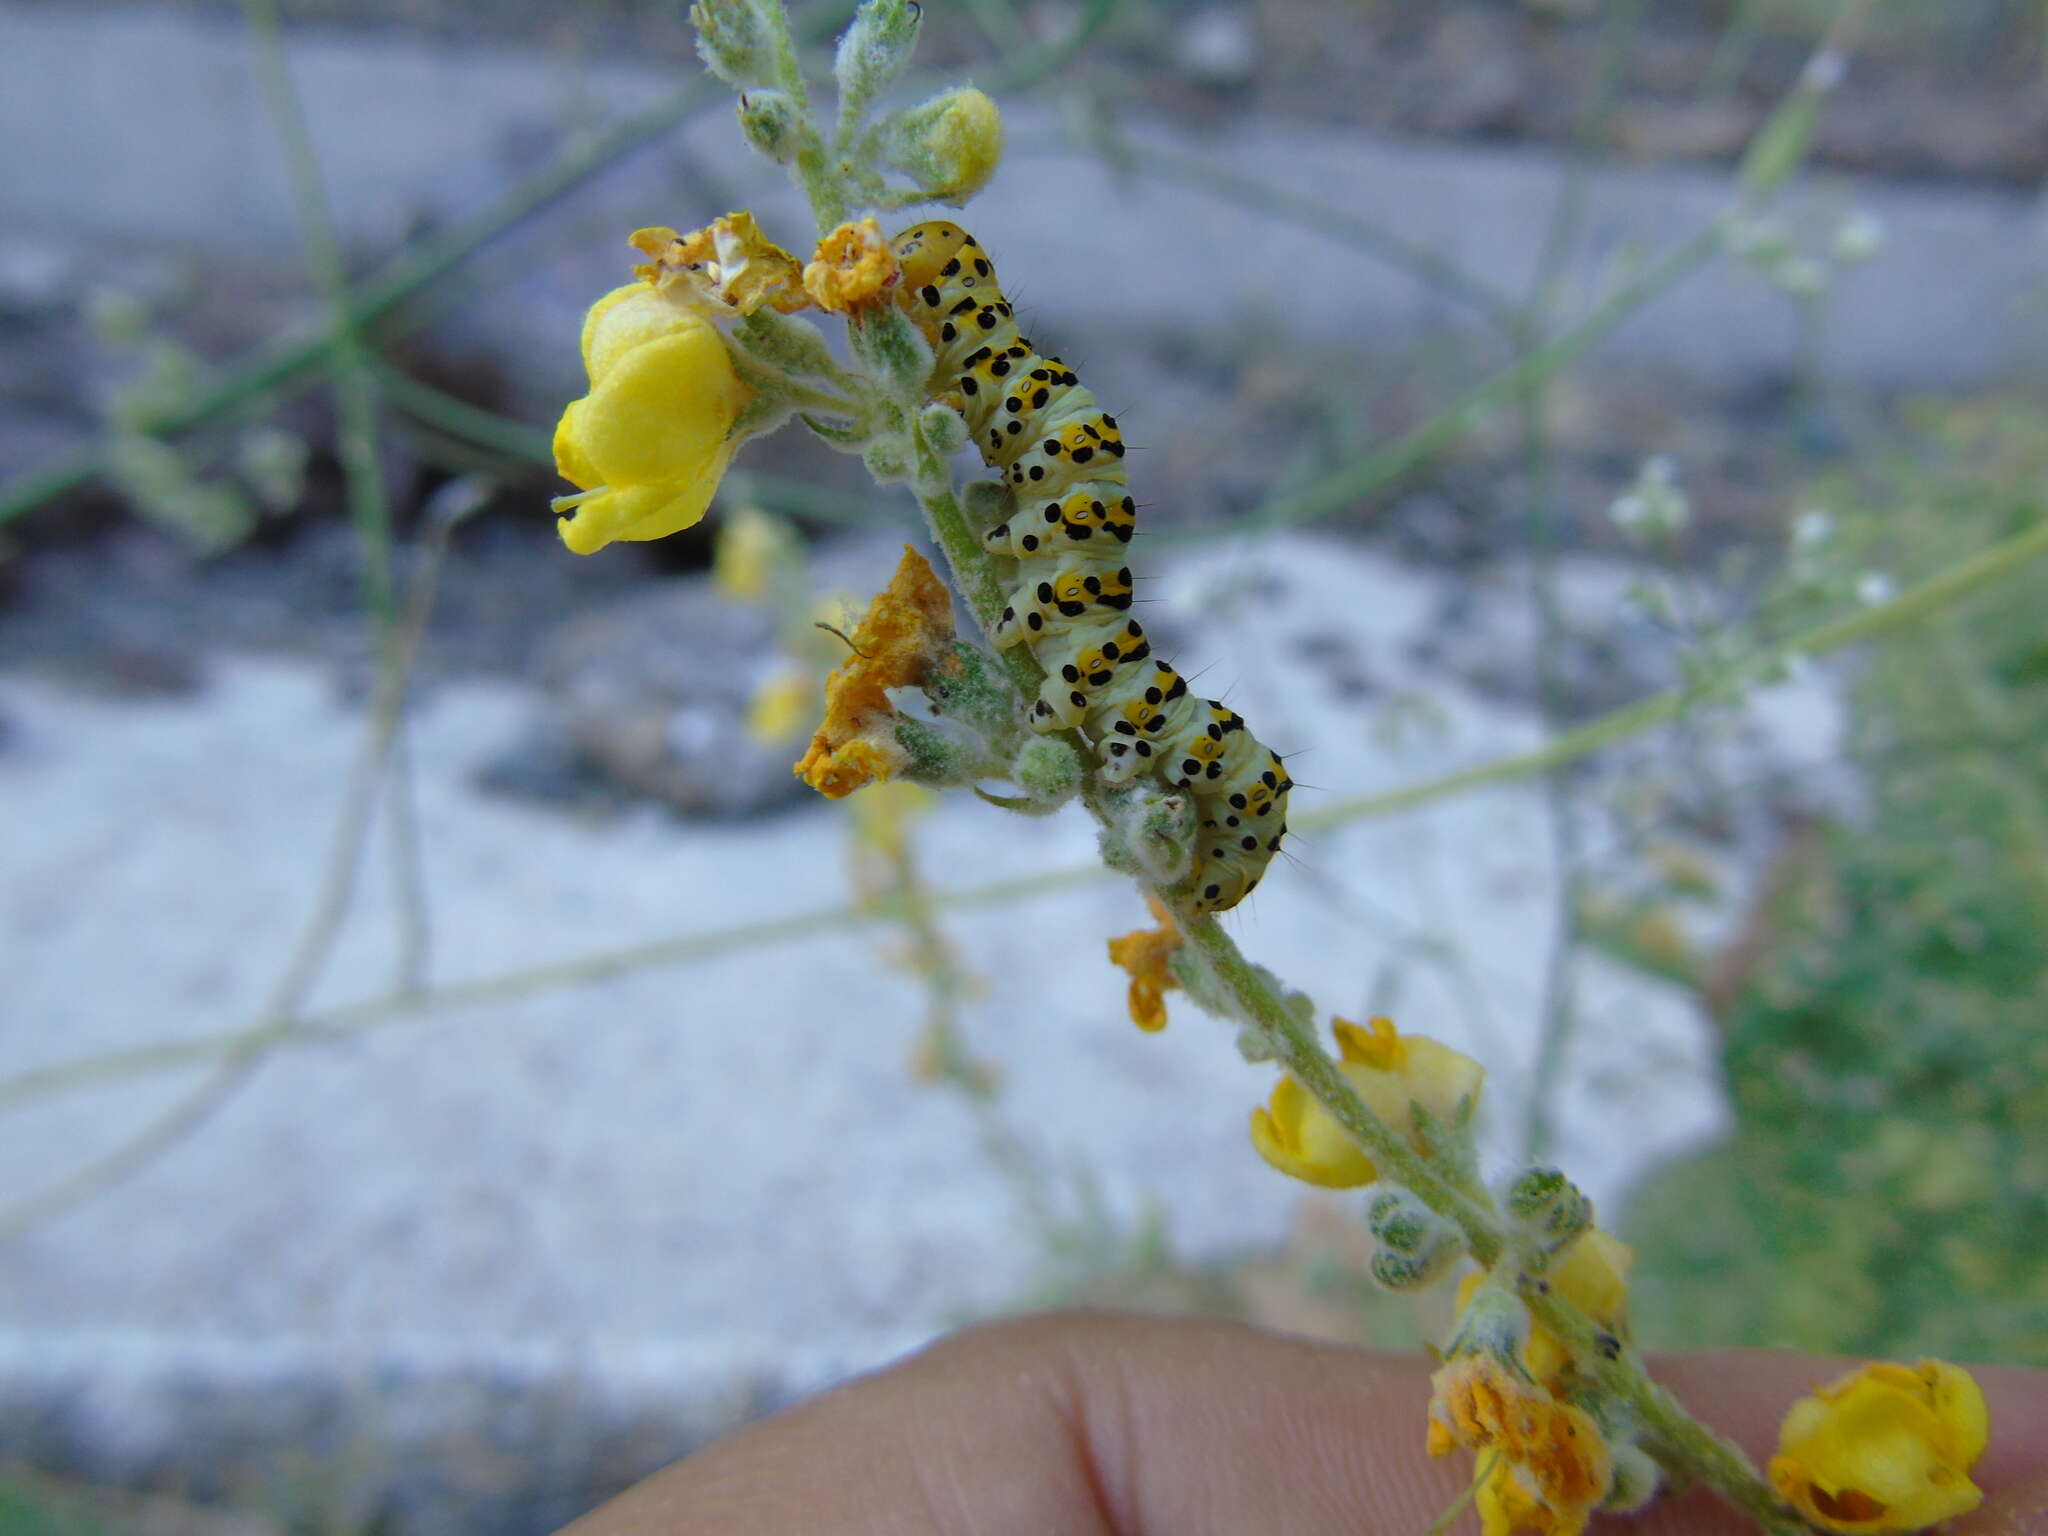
(949, 145)
(650, 442)
(1302, 1139)
(1885, 1448)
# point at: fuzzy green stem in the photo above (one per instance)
(1303, 1056)
(1687, 1445)
(1678, 1440)
(815, 172)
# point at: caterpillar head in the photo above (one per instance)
(938, 251)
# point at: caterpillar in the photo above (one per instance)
(1061, 456)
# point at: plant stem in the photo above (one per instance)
(1678, 1440)
(1911, 607)
(1351, 484)
(355, 391)
(815, 171)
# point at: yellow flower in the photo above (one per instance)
(1144, 954)
(648, 445)
(895, 646)
(728, 266)
(1590, 1272)
(853, 267)
(1302, 1139)
(779, 707)
(1884, 1448)
(752, 552)
(881, 821)
(1552, 1465)
(1391, 1072)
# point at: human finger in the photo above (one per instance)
(1095, 1425)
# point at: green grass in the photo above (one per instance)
(1886, 1190)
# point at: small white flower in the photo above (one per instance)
(1874, 587)
(1654, 504)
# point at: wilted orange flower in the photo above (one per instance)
(1144, 953)
(728, 266)
(854, 266)
(894, 647)
(1554, 1467)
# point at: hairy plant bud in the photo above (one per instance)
(876, 48)
(1548, 1206)
(1047, 769)
(773, 124)
(944, 428)
(735, 41)
(950, 145)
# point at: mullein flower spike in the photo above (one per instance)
(1885, 1448)
(1392, 1072)
(648, 445)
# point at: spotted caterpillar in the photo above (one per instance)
(1061, 456)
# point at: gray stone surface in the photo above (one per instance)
(127, 125)
(589, 1224)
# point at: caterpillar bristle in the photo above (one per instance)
(1039, 429)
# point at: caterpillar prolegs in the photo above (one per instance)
(1061, 455)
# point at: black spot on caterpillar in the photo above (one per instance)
(1061, 454)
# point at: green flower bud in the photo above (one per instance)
(1637, 1477)
(773, 124)
(1412, 1245)
(887, 458)
(1404, 1272)
(789, 345)
(949, 146)
(735, 41)
(1163, 834)
(1494, 1322)
(970, 685)
(1547, 1206)
(875, 49)
(938, 757)
(1047, 769)
(943, 428)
